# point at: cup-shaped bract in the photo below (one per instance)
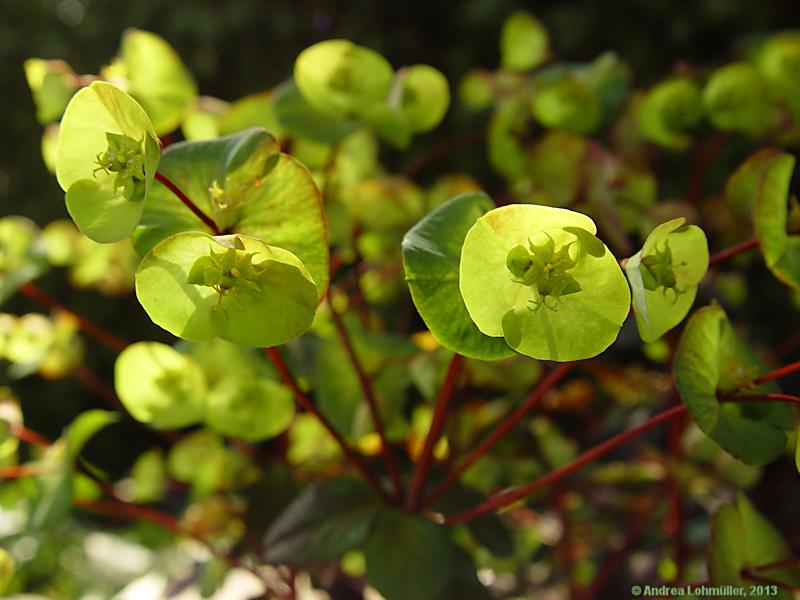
(779, 61)
(664, 275)
(239, 288)
(711, 362)
(524, 42)
(52, 84)
(107, 158)
(251, 409)
(423, 96)
(160, 386)
(737, 98)
(539, 277)
(153, 73)
(569, 103)
(670, 109)
(341, 78)
(246, 186)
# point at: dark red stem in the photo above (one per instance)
(437, 423)
(724, 255)
(440, 151)
(369, 395)
(303, 400)
(778, 373)
(188, 202)
(786, 562)
(94, 331)
(20, 471)
(749, 575)
(501, 431)
(510, 496)
(28, 435)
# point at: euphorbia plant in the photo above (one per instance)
(304, 426)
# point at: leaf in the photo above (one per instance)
(22, 254)
(251, 410)
(737, 98)
(106, 204)
(574, 311)
(741, 538)
(772, 170)
(711, 360)
(160, 386)
(669, 110)
(263, 297)
(246, 186)
(157, 78)
(52, 84)
(342, 79)
(569, 104)
(431, 256)
(298, 117)
(524, 42)
(84, 427)
(408, 557)
(678, 254)
(322, 523)
(424, 96)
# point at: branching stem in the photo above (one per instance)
(208, 221)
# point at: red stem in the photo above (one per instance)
(749, 575)
(724, 255)
(510, 496)
(786, 562)
(440, 151)
(188, 202)
(778, 373)
(505, 426)
(28, 435)
(369, 394)
(437, 423)
(303, 400)
(20, 471)
(32, 291)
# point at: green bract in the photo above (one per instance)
(712, 361)
(769, 172)
(300, 118)
(569, 104)
(538, 277)
(524, 42)
(22, 254)
(235, 287)
(252, 409)
(153, 73)
(737, 98)
(431, 256)
(779, 61)
(107, 159)
(246, 186)
(664, 275)
(742, 539)
(52, 84)
(160, 386)
(423, 97)
(668, 110)
(342, 79)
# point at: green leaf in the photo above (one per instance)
(779, 61)
(342, 79)
(105, 198)
(156, 77)
(235, 287)
(7, 568)
(431, 257)
(568, 104)
(711, 360)
(251, 410)
(664, 275)
(741, 538)
(52, 84)
(84, 427)
(737, 98)
(297, 116)
(408, 557)
(524, 42)
(423, 96)
(160, 386)
(253, 110)
(247, 187)
(22, 254)
(669, 110)
(538, 277)
(322, 523)
(769, 171)
(507, 128)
